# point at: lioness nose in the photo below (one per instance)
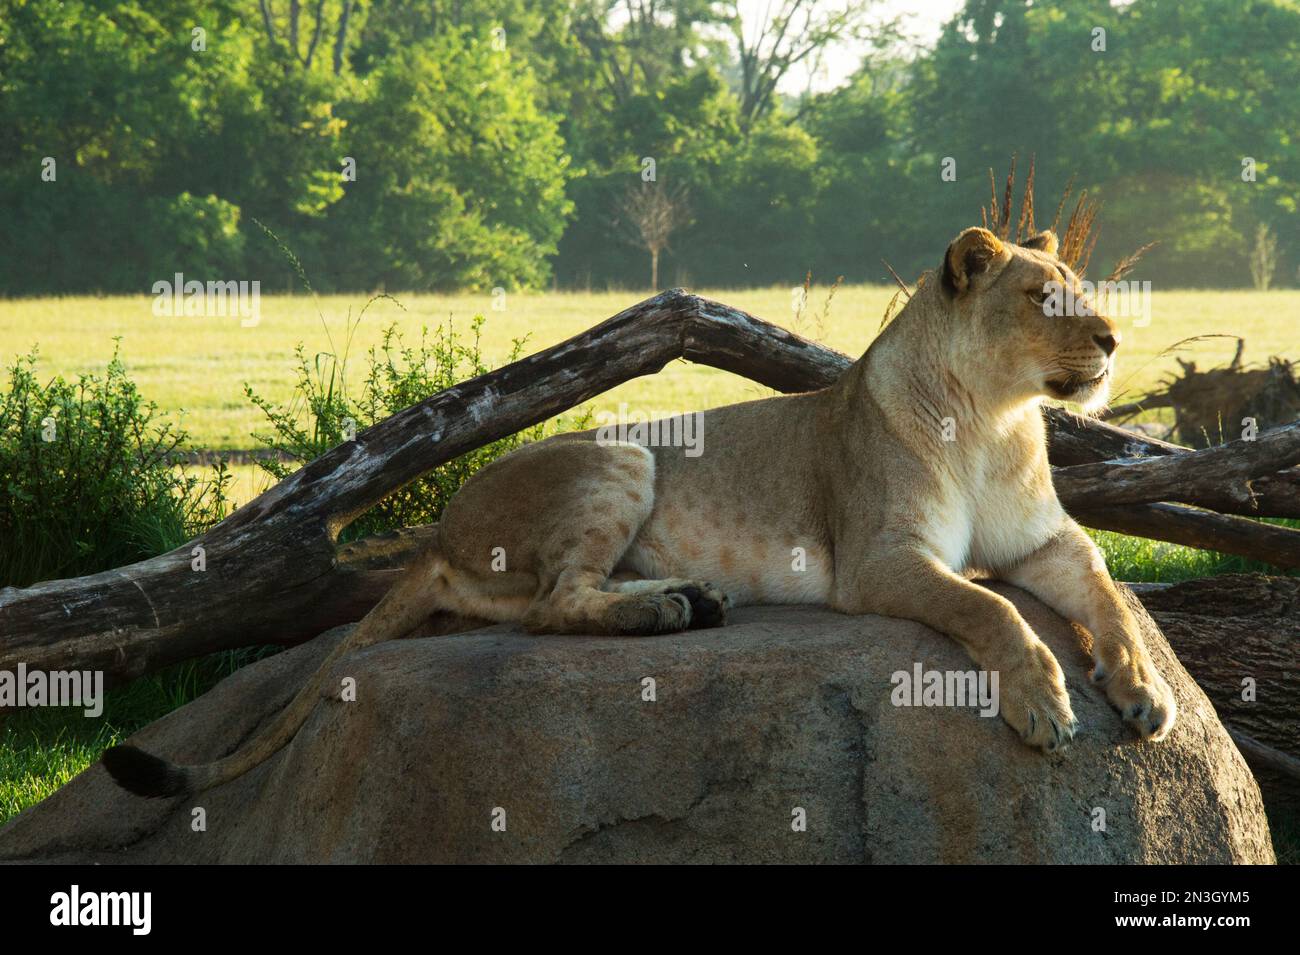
(1106, 343)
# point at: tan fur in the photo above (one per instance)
(858, 481)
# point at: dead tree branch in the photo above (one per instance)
(273, 571)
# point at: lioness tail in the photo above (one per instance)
(404, 607)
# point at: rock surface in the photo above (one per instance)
(784, 708)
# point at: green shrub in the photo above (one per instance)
(90, 478)
(321, 413)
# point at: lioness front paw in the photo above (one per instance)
(1034, 701)
(1141, 695)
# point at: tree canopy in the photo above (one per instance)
(493, 143)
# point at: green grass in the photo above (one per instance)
(200, 364)
(42, 749)
(1138, 559)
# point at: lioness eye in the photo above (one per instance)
(1037, 296)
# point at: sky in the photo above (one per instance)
(921, 19)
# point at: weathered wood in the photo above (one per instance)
(1238, 635)
(1192, 527)
(272, 568)
(1073, 440)
(1236, 628)
(1277, 773)
(1183, 477)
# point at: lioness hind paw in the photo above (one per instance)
(650, 614)
(708, 604)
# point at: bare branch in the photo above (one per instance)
(341, 37)
(267, 20)
(315, 36)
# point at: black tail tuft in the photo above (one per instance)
(138, 772)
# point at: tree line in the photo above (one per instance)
(481, 144)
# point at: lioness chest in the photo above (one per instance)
(992, 512)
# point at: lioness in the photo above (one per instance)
(923, 466)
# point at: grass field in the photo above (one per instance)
(196, 367)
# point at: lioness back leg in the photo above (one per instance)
(585, 503)
(708, 603)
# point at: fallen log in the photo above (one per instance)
(1073, 440)
(1277, 773)
(1192, 527)
(270, 572)
(1238, 635)
(1188, 478)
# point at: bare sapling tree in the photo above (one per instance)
(650, 213)
(1263, 257)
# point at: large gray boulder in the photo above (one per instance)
(785, 709)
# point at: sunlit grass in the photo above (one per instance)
(1139, 559)
(197, 366)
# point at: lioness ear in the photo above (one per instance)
(1045, 241)
(971, 253)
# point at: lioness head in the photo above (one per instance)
(1026, 307)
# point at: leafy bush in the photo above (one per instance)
(89, 477)
(468, 191)
(321, 415)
